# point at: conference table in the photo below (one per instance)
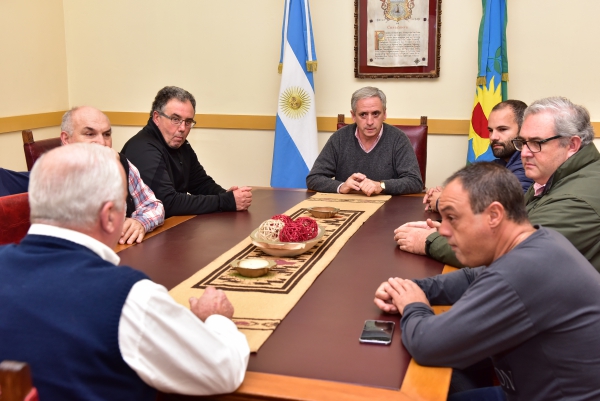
(314, 354)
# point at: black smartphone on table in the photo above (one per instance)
(377, 332)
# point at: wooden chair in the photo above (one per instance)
(15, 382)
(34, 149)
(417, 134)
(14, 215)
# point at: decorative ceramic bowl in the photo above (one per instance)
(254, 267)
(276, 248)
(323, 212)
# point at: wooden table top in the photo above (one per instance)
(318, 339)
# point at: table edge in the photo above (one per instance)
(421, 383)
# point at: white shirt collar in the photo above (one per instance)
(79, 238)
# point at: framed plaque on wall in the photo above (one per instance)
(397, 38)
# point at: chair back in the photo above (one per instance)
(15, 382)
(14, 215)
(417, 134)
(34, 149)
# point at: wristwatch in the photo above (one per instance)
(382, 186)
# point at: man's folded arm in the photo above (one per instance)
(200, 182)
(153, 170)
(174, 351)
(446, 289)
(487, 320)
(407, 168)
(408, 183)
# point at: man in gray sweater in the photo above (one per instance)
(532, 306)
(367, 156)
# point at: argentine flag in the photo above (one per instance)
(296, 145)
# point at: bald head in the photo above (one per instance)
(86, 124)
(70, 185)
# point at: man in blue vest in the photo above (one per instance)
(92, 330)
(13, 182)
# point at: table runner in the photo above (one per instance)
(261, 303)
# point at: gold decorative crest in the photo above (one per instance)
(294, 102)
(397, 10)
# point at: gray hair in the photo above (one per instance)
(171, 92)
(69, 185)
(569, 119)
(366, 92)
(488, 182)
(67, 122)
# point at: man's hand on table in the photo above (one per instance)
(393, 295)
(133, 231)
(431, 197)
(212, 302)
(411, 236)
(384, 300)
(359, 182)
(243, 197)
(352, 183)
(370, 187)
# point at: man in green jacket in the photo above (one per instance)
(558, 154)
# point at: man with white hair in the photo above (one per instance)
(91, 329)
(144, 212)
(557, 151)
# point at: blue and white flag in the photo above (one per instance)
(296, 146)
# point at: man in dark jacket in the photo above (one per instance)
(504, 125)
(559, 155)
(169, 165)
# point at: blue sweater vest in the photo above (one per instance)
(60, 306)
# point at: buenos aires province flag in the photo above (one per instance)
(296, 145)
(492, 78)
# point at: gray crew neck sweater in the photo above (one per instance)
(392, 161)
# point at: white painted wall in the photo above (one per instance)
(116, 55)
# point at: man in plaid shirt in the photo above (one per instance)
(144, 211)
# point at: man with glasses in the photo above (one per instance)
(559, 156)
(169, 165)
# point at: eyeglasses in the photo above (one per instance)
(533, 146)
(177, 120)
